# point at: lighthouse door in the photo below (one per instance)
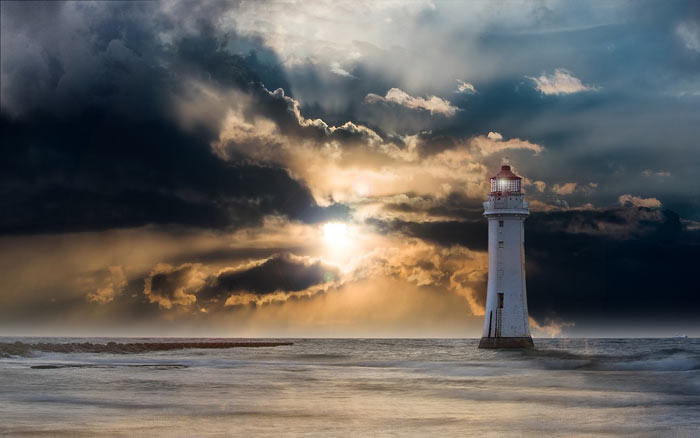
(499, 315)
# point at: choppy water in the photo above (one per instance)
(345, 387)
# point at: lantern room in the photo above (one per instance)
(505, 181)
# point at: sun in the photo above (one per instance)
(335, 233)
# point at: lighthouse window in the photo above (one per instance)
(500, 244)
(500, 224)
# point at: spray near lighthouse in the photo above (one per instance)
(506, 321)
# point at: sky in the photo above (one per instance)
(294, 169)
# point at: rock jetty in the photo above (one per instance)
(23, 349)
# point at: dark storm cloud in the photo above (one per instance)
(471, 234)
(455, 220)
(454, 206)
(100, 147)
(169, 286)
(100, 170)
(184, 285)
(280, 273)
(585, 264)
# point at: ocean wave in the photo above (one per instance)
(665, 359)
(22, 349)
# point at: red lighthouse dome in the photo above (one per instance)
(505, 181)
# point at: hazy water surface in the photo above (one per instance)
(345, 387)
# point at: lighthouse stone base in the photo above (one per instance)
(523, 342)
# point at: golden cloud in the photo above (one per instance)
(560, 82)
(433, 104)
(110, 282)
(638, 201)
(170, 286)
(564, 189)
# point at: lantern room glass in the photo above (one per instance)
(505, 185)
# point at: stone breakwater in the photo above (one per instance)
(23, 349)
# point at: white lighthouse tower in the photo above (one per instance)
(506, 322)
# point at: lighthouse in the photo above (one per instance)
(506, 322)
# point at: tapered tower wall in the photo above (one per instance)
(506, 250)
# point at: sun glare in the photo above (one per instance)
(335, 233)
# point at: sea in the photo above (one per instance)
(356, 388)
